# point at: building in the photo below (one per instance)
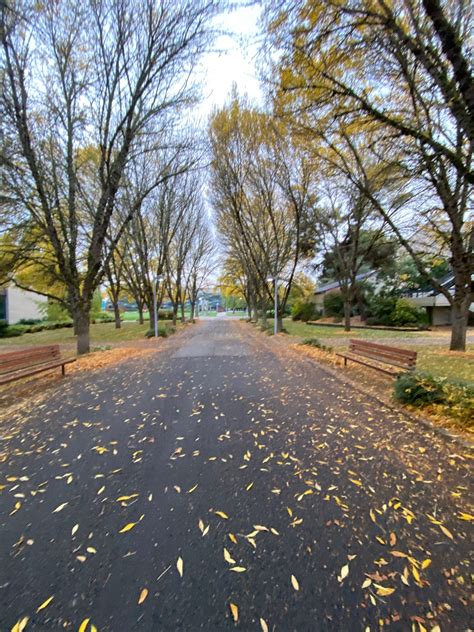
(333, 286)
(436, 304)
(16, 305)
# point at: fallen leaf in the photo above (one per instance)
(263, 625)
(221, 514)
(60, 508)
(238, 569)
(232, 538)
(74, 529)
(45, 603)
(446, 532)
(228, 557)
(383, 591)
(20, 624)
(294, 583)
(143, 596)
(83, 626)
(235, 611)
(179, 566)
(127, 527)
(344, 572)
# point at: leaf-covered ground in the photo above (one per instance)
(217, 485)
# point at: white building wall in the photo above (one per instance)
(21, 304)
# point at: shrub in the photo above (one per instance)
(303, 310)
(405, 313)
(11, 331)
(103, 317)
(333, 304)
(418, 389)
(55, 312)
(314, 342)
(452, 398)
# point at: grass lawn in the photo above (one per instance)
(298, 328)
(435, 358)
(101, 334)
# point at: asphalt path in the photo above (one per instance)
(222, 484)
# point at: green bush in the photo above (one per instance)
(303, 310)
(314, 342)
(393, 311)
(405, 313)
(418, 389)
(454, 398)
(55, 312)
(334, 304)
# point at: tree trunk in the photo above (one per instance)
(140, 314)
(264, 314)
(183, 317)
(118, 323)
(175, 314)
(459, 325)
(191, 315)
(279, 323)
(347, 313)
(82, 323)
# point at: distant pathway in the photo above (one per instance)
(217, 480)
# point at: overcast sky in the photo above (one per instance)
(233, 59)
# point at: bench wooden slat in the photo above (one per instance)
(403, 359)
(15, 365)
(372, 366)
(381, 357)
(384, 348)
(28, 357)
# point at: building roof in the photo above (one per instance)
(334, 285)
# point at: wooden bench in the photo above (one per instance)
(390, 360)
(15, 365)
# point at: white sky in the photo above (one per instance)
(233, 59)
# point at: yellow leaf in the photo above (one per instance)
(91, 549)
(143, 596)
(238, 569)
(123, 498)
(446, 532)
(465, 516)
(416, 574)
(221, 514)
(127, 527)
(232, 538)
(20, 625)
(344, 572)
(367, 583)
(425, 563)
(205, 531)
(249, 487)
(383, 591)
(83, 626)
(201, 525)
(74, 529)
(45, 603)
(294, 583)
(228, 557)
(180, 565)
(263, 625)
(60, 508)
(235, 611)
(190, 491)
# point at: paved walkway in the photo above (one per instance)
(218, 480)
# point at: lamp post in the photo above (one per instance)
(275, 316)
(158, 278)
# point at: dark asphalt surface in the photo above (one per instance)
(368, 512)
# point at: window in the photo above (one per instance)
(3, 305)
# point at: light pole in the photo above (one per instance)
(158, 278)
(275, 316)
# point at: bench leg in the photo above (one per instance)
(63, 369)
(345, 361)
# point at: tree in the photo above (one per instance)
(351, 239)
(115, 79)
(391, 80)
(263, 196)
